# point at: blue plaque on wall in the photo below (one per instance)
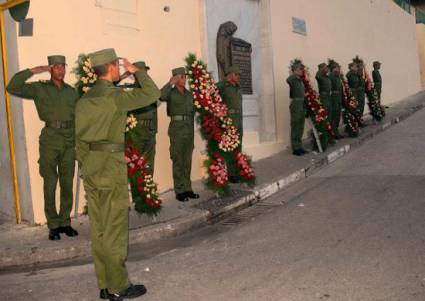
(298, 26)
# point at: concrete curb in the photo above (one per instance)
(34, 256)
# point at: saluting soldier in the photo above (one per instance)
(101, 116)
(181, 132)
(297, 107)
(147, 125)
(336, 97)
(324, 84)
(55, 103)
(377, 79)
(231, 93)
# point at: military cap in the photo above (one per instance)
(321, 65)
(141, 65)
(233, 69)
(56, 59)
(296, 63)
(333, 64)
(103, 57)
(376, 63)
(178, 71)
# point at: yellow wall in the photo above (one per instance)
(341, 29)
(162, 39)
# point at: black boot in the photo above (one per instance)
(192, 195)
(54, 234)
(297, 152)
(104, 294)
(69, 231)
(133, 291)
(181, 197)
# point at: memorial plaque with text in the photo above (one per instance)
(241, 56)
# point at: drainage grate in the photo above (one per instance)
(250, 213)
(214, 204)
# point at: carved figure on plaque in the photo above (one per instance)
(224, 57)
(233, 51)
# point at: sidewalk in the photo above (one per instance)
(24, 245)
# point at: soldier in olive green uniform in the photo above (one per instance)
(324, 84)
(147, 126)
(181, 132)
(101, 116)
(336, 97)
(361, 95)
(231, 93)
(297, 108)
(55, 103)
(377, 79)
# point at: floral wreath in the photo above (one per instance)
(217, 129)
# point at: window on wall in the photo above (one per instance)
(404, 4)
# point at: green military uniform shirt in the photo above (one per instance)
(181, 132)
(108, 105)
(55, 106)
(353, 81)
(51, 102)
(325, 86)
(296, 87)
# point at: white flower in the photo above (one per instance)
(85, 89)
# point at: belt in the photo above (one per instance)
(60, 124)
(145, 122)
(232, 111)
(180, 117)
(107, 147)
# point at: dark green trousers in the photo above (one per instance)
(378, 88)
(57, 162)
(108, 211)
(297, 111)
(325, 99)
(361, 96)
(335, 111)
(181, 148)
(146, 145)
